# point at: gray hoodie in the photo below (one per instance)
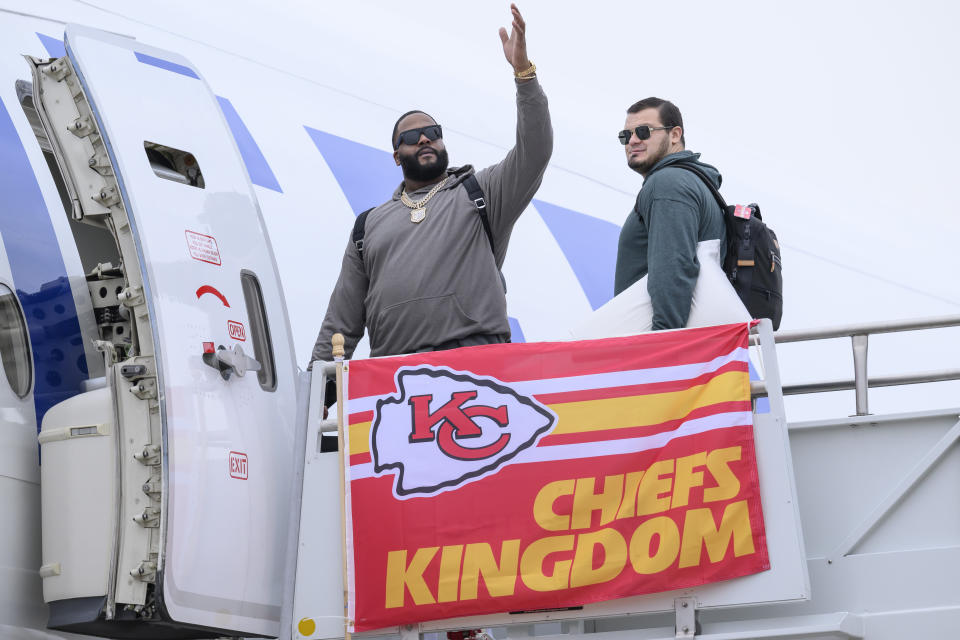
(420, 285)
(676, 211)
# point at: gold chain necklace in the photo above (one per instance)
(418, 210)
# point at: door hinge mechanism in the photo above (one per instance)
(107, 196)
(150, 518)
(101, 164)
(131, 296)
(146, 389)
(57, 70)
(151, 488)
(82, 127)
(145, 571)
(149, 456)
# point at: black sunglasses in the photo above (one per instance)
(412, 136)
(643, 133)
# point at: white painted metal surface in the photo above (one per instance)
(216, 570)
(78, 496)
(317, 607)
(21, 599)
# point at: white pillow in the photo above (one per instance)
(714, 302)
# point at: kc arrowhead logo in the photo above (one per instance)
(444, 428)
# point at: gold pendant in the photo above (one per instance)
(417, 215)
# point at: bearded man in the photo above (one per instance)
(424, 276)
(674, 212)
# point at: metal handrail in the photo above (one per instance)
(758, 389)
(869, 328)
(858, 335)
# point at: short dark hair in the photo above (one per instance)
(668, 112)
(396, 125)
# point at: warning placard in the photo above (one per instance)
(203, 247)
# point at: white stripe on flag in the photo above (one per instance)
(594, 380)
(607, 447)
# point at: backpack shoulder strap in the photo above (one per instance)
(705, 179)
(359, 229)
(740, 252)
(475, 193)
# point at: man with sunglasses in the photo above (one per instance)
(674, 211)
(425, 273)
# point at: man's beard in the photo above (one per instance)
(643, 166)
(413, 170)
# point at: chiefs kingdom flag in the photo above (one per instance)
(548, 475)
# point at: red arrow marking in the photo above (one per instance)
(208, 289)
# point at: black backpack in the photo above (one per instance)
(474, 192)
(753, 263)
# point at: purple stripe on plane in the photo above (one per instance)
(590, 246)
(54, 46)
(763, 404)
(160, 63)
(253, 158)
(516, 333)
(367, 176)
(40, 276)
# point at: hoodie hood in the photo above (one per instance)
(688, 157)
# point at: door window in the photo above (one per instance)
(259, 330)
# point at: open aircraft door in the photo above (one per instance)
(166, 491)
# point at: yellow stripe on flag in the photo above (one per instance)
(360, 438)
(654, 408)
(620, 413)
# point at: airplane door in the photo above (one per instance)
(204, 394)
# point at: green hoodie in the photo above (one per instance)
(676, 211)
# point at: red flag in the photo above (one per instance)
(549, 475)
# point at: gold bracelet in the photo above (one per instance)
(526, 73)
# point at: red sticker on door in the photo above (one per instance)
(238, 465)
(205, 289)
(203, 248)
(236, 330)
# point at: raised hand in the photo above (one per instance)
(515, 46)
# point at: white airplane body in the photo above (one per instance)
(316, 175)
(149, 271)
